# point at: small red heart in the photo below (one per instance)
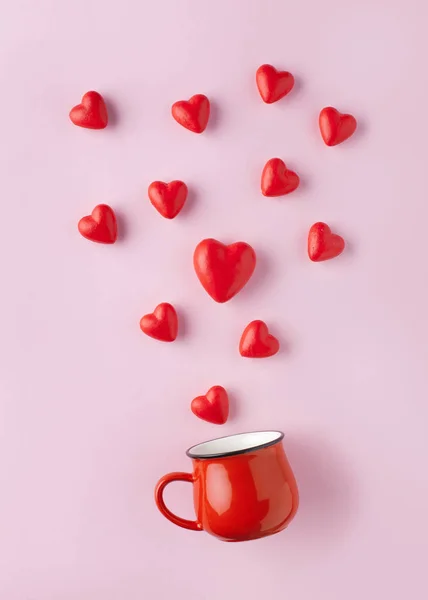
(277, 180)
(272, 84)
(257, 342)
(213, 407)
(193, 114)
(91, 112)
(168, 198)
(223, 270)
(322, 244)
(100, 226)
(161, 324)
(336, 127)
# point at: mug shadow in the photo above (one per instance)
(327, 491)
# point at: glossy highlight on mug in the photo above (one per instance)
(243, 487)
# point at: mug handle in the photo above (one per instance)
(161, 485)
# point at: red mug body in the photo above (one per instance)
(243, 487)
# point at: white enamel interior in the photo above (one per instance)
(240, 442)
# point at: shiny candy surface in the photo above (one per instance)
(213, 406)
(168, 198)
(223, 270)
(323, 244)
(100, 226)
(91, 113)
(336, 127)
(272, 84)
(257, 342)
(161, 324)
(277, 180)
(192, 114)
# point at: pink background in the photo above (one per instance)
(92, 412)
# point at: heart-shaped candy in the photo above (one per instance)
(91, 112)
(272, 84)
(336, 127)
(192, 114)
(100, 226)
(277, 180)
(213, 407)
(161, 324)
(323, 244)
(257, 342)
(168, 198)
(223, 270)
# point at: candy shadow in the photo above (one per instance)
(112, 111)
(350, 248)
(215, 116)
(285, 345)
(304, 186)
(262, 273)
(294, 94)
(360, 132)
(184, 328)
(298, 88)
(235, 410)
(122, 226)
(192, 198)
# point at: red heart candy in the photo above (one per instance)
(91, 113)
(272, 84)
(322, 244)
(336, 127)
(213, 407)
(257, 342)
(161, 324)
(223, 270)
(193, 114)
(168, 198)
(277, 180)
(100, 226)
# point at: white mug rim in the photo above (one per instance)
(235, 444)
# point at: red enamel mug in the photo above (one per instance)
(243, 487)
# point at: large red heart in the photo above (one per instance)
(272, 84)
(277, 180)
(213, 407)
(323, 244)
(91, 112)
(193, 114)
(257, 342)
(168, 198)
(336, 127)
(100, 226)
(223, 270)
(161, 324)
